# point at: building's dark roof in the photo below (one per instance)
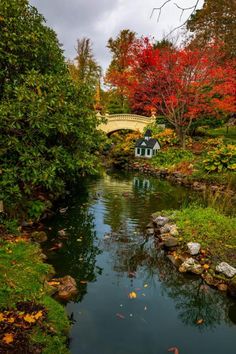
(148, 133)
(149, 144)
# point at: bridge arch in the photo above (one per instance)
(116, 122)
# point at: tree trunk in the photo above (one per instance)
(182, 137)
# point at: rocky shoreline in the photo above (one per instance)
(190, 257)
(178, 178)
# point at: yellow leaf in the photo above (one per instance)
(38, 315)
(52, 283)
(8, 338)
(145, 286)
(206, 266)
(29, 318)
(2, 318)
(132, 295)
(11, 320)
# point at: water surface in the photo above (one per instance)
(109, 255)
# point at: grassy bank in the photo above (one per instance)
(29, 318)
(212, 229)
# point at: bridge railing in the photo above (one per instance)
(127, 116)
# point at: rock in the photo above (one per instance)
(62, 232)
(161, 221)
(176, 261)
(191, 265)
(222, 287)
(174, 231)
(67, 288)
(149, 226)
(193, 248)
(232, 287)
(39, 236)
(150, 231)
(226, 269)
(210, 280)
(169, 241)
(165, 229)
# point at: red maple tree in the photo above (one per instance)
(180, 84)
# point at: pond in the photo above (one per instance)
(106, 251)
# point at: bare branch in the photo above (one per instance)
(159, 9)
(182, 9)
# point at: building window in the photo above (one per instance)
(138, 151)
(148, 152)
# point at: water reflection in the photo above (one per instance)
(108, 253)
(78, 255)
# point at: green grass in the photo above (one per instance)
(22, 278)
(212, 229)
(229, 138)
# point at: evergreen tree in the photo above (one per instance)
(48, 129)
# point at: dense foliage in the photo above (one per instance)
(48, 129)
(183, 85)
(221, 159)
(215, 21)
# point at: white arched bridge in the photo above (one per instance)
(114, 122)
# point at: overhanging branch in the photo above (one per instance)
(159, 9)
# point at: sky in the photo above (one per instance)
(102, 19)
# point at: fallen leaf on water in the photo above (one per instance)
(174, 349)
(29, 318)
(8, 338)
(132, 295)
(83, 281)
(120, 315)
(145, 285)
(145, 308)
(132, 274)
(200, 321)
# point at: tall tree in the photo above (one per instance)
(85, 69)
(120, 48)
(215, 21)
(47, 127)
(180, 84)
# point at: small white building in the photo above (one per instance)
(147, 147)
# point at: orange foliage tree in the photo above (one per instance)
(180, 84)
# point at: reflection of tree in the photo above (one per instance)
(193, 299)
(78, 254)
(126, 199)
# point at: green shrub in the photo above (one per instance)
(171, 157)
(221, 159)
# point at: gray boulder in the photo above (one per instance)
(165, 229)
(226, 269)
(174, 231)
(192, 266)
(193, 248)
(169, 241)
(161, 221)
